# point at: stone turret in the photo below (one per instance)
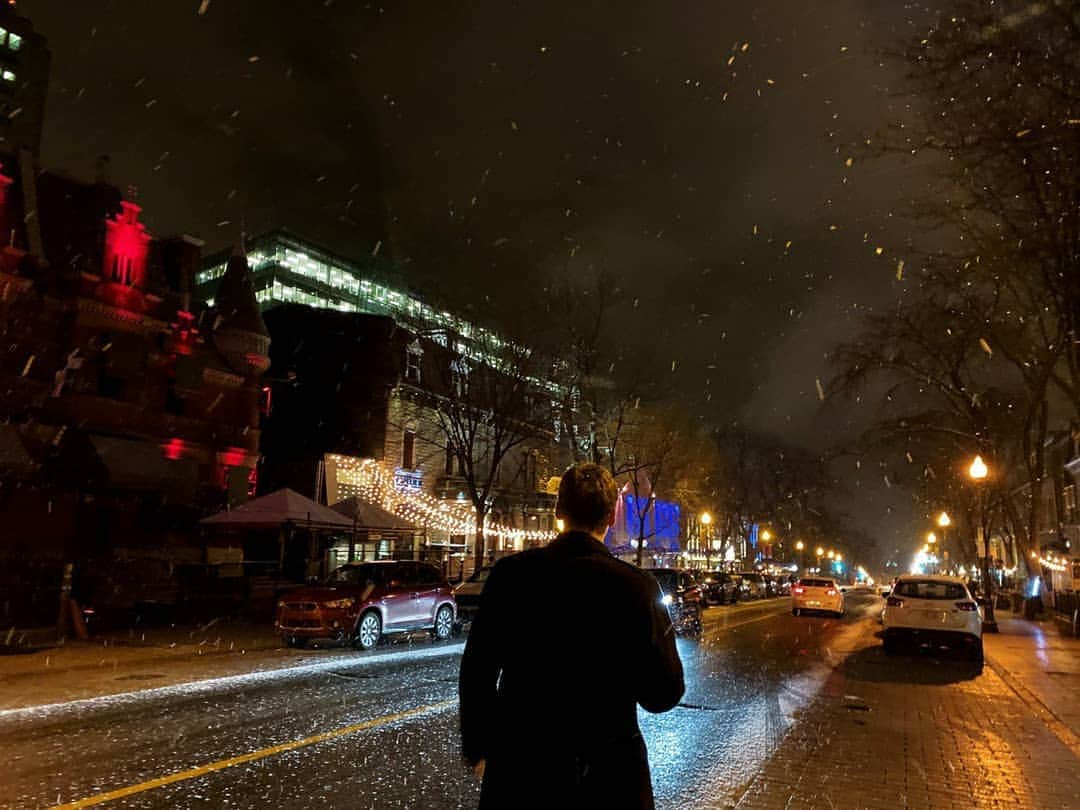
(240, 333)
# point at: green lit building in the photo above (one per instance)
(287, 269)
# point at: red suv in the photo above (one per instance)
(362, 601)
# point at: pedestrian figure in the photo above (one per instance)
(566, 643)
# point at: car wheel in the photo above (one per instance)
(975, 652)
(444, 623)
(294, 641)
(368, 630)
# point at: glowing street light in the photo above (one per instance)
(944, 521)
(820, 551)
(766, 535)
(799, 545)
(706, 518)
(931, 538)
(831, 554)
(978, 472)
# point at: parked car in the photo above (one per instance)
(755, 585)
(777, 586)
(932, 609)
(360, 602)
(467, 594)
(819, 594)
(720, 588)
(683, 596)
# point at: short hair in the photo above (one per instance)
(587, 496)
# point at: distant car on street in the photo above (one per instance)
(467, 594)
(360, 602)
(755, 585)
(683, 596)
(720, 588)
(932, 609)
(817, 594)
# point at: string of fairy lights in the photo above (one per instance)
(1059, 564)
(373, 481)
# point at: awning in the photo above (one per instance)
(370, 516)
(141, 466)
(278, 508)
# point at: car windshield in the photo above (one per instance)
(930, 589)
(357, 575)
(816, 583)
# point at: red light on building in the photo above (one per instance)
(174, 449)
(126, 242)
(233, 457)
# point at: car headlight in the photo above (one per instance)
(340, 604)
(666, 599)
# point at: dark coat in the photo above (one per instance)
(567, 642)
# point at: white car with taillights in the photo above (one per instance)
(932, 609)
(817, 593)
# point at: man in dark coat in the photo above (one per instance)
(566, 643)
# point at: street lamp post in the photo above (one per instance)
(820, 554)
(931, 541)
(799, 546)
(944, 521)
(978, 473)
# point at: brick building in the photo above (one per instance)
(127, 410)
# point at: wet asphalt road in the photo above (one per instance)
(391, 718)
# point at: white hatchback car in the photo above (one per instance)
(932, 609)
(817, 594)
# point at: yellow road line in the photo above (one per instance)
(263, 753)
(748, 621)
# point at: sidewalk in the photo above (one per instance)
(926, 732)
(1034, 657)
(119, 662)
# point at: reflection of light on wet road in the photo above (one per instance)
(229, 682)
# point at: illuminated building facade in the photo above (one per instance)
(287, 269)
(24, 82)
(350, 387)
(129, 411)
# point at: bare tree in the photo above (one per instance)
(492, 400)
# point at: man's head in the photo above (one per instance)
(587, 498)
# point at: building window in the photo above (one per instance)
(14, 41)
(408, 450)
(1068, 499)
(413, 354)
(265, 399)
(450, 455)
(8, 76)
(459, 378)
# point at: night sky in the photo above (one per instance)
(488, 144)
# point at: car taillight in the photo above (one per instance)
(967, 605)
(892, 601)
(831, 592)
(798, 589)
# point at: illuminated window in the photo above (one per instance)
(413, 353)
(459, 378)
(14, 41)
(8, 76)
(408, 450)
